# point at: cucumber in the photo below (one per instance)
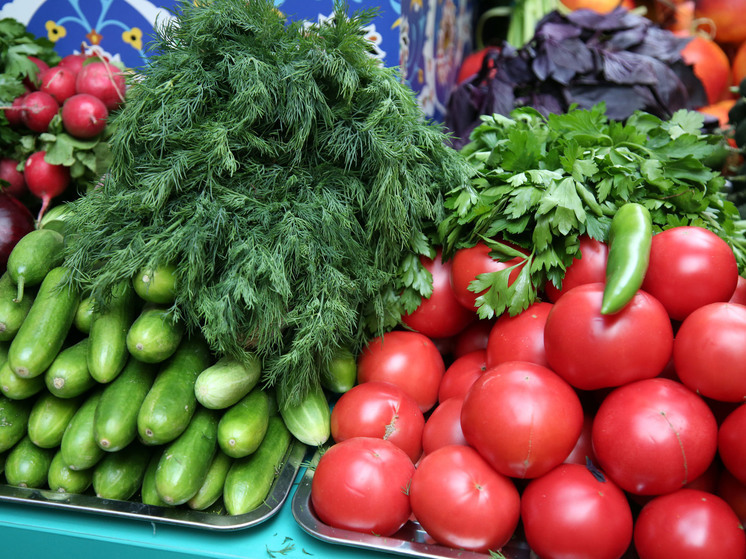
(17, 388)
(243, 426)
(12, 311)
(3, 458)
(342, 372)
(63, 479)
(84, 315)
(250, 479)
(107, 352)
(227, 381)
(212, 487)
(68, 375)
(148, 493)
(171, 402)
(13, 421)
(79, 448)
(119, 475)
(27, 465)
(49, 418)
(115, 420)
(185, 462)
(4, 346)
(35, 254)
(56, 218)
(154, 335)
(310, 419)
(47, 324)
(156, 285)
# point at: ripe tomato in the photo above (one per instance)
(689, 268)
(689, 523)
(710, 354)
(443, 426)
(519, 337)
(733, 492)
(379, 409)
(473, 337)
(590, 267)
(440, 315)
(739, 65)
(722, 16)
(739, 295)
(569, 513)
(522, 418)
(408, 359)
(461, 374)
(653, 436)
(732, 443)
(472, 64)
(710, 65)
(590, 350)
(460, 501)
(583, 449)
(359, 484)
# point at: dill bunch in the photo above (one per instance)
(290, 177)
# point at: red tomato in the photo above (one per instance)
(733, 492)
(689, 268)
(472, 64)
(569, 513)
(732, 443)
(460, 501)
(441, 315)
(409, 360)
(473, 337)
(723, 18)
(739, 295)
(443, 427)
(379, 409)
(461, 374)
(357, 485)
(653, 436)
(519, 337)
(522, 418)
(710, 354)
(590, 267)
(689, 524)
(710, 65)
(590, 350)
(583, 450)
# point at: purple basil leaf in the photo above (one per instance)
(662, 44)
(620, 100)
(563, 59)
(626, 39)
(630, 68)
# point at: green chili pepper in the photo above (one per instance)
(630, 235)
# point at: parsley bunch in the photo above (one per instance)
(542, 181)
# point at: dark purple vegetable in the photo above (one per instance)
(15, 222)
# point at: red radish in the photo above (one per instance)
(9, 172)
(39, 109)
(73, 62)
(15, 222)
(102, 80)
(59, 82)
(45, 180)
(84, 115)
(14, 113)
(32, 82)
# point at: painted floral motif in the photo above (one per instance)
(55, 32)
(133, 37)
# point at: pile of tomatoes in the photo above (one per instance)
(575, 433)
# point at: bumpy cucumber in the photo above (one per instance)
(310, 419)
(84, 315)
(107, 352)
(154, 335)
(68, 375)
(63, 479)
(35, 254)
(48, 322)
(115, 420)
(243, 426)
(14, 416)
(250, 479)
(342, 372)
(185, 462)
(148, 493)
(49, 418)
(171, 402)
(227, 381)
(156, 285)
(27, 465)
(56, 218)
(12, 311)
(17, 388)
(212, 487)
(79, 448)
(119, 474)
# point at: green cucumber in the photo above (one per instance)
(63, 479)
(154, 335)
(84, 315)
(4, 346)
(17, 388)
(185, 462)
(212, 487)
(27, 465)
(341, 375)
(47, 324)
(250, 479)
(14, 416)
(115, 420)
(119, 475)
(148, 493)
(156, 285)
(243, 425)
(107, 352)
(227, 381)
(79, 448)
(171, 402)
(49, 418)
(68, 375)
(35, 254)
(3, 458)
(56, 218)
(309, 420)
(12, 311)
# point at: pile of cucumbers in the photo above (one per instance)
(121, 402)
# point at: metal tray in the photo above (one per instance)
(214, 519)
(411, 540)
